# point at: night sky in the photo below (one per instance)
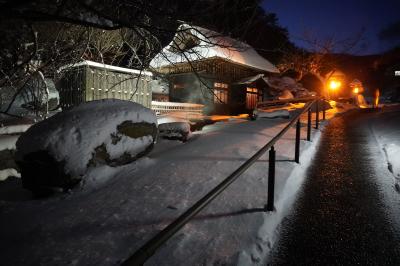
(340, 19)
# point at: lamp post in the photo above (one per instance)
(333, 86)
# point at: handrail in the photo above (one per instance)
(147, 250)
(293, 100)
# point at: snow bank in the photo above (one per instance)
(392, 152)
(5, 173)
(7, 142)
(268, 233)
(72, 136)
(14, 129)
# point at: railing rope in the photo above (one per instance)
(146, 251)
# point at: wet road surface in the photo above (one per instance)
(339, 217)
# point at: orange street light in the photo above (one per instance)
(334, 85)
(356, 90)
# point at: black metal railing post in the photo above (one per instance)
(297, 147)
(309, 125)
(271, 179)
(317, 114)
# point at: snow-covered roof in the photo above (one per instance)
(249, 80)
(209, 44)
(107, 67)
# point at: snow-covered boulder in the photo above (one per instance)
(58, 151)
(174, 130)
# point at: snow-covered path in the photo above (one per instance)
(104, 225)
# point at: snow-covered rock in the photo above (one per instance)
(174, 130)
(58, 151)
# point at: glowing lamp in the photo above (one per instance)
(356, 90)
(334, 85)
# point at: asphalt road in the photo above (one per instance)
(340, 217)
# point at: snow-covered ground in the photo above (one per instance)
(106, 223)
(386, 129)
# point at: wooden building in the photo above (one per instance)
(205, 67)
(88, 81)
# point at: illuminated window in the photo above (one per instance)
(220, 85)
(254, 90)
(220, 96)
(220, 92)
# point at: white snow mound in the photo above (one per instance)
(6, 173)
(72, 136)
(392, 152)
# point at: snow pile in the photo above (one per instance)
(14, 129)
(7, 142)
(7, 148)
(268, 233)
(73, 136)
(6, 173)
(392, 152)
(282, 85)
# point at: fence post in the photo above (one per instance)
(297, 147)
(316, 114)
(271, 179)
(323, 109)
(309, 125)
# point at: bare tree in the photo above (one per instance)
(319, 59)
(40, 36)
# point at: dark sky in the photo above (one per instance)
(337, 19)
